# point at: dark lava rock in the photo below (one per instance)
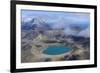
(26, 46)
(74, 57)
(48, 59)
(30, 35)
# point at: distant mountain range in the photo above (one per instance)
(35, 24)
(41, 25)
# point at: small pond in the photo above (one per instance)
(56, 50)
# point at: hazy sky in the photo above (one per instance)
(48, 16)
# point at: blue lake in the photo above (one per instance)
(56, 50)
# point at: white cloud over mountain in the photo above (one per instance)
(84, 33)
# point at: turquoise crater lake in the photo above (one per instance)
(56, 50)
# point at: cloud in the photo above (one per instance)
(69, 31)
(81, 33)
(84, 33)
(59, 23)
(26, 19)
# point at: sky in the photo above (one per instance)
(58, 19)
